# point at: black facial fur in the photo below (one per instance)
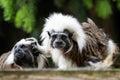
(60, 40)
(26, 55)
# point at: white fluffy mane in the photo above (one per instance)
(59, 22)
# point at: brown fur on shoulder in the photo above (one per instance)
(4, 66)
(95, 49)
(96, 41)
(76, 57)
(97, 44)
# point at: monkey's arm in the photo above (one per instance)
(44, 50)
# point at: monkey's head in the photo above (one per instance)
(61, 40)
(26, 52)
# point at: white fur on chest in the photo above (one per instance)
(60, 60)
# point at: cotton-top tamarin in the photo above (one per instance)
(24, 54)
(72, 45)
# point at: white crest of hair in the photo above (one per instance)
(23, 41)
(59, 22)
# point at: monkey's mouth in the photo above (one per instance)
(59, 46)
(27, 61)
(26, 58)
(19, 54)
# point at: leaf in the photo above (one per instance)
(8, 13)
(20, 15)
(24, 11)
(88, 3)
(103, 8)
(25, 18)
(8, 7)
(118, 4)
(28, 25)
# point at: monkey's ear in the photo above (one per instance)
(68, 32)
(71, 34)
(49, 34)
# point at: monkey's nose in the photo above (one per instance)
(18, 51)
(59, 43)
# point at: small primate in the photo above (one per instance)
(72, 45)
(25, 54)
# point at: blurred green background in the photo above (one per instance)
(25, 18)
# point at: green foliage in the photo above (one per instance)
(24, 17)
(7, 5)
(118, 4)
(74, 7)
(88, 3)
(103, 8)
(21, 12)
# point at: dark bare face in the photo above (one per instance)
(60, 40)
(25, 53)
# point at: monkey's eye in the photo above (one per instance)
(15, 46)
(22, 46)
(33, 44)
(63, 37)
(54, 36)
